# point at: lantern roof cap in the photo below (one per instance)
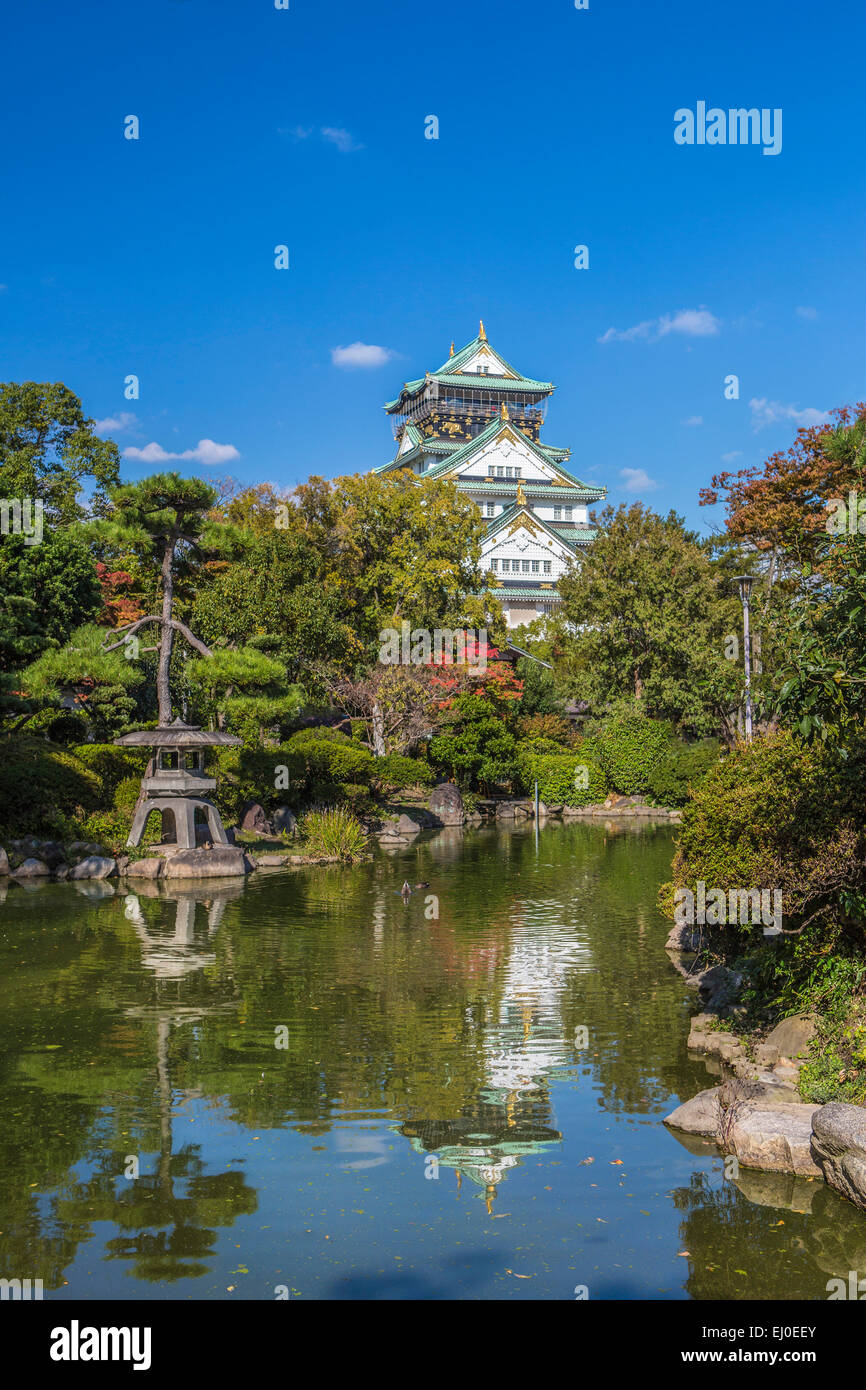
(178, 735)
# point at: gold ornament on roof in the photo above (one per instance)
(503, 411)
(451, 354)
(521, 496)
(482, 335)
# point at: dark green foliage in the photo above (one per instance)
(629, 749)
(570, 779)
(112, 765)
(475, 747)
(681, 765)
(394, 771)
(776, 814)
(41, 785)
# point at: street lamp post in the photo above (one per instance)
(744, 584)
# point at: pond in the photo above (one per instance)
(306, 1086)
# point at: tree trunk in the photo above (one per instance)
(379, 749)
(166, 638)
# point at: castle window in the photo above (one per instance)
(547, 567)
(568, 513)
(500, 472)
(508, 472)
(557, 514)
(494, 564)
(535, 567)
(525, 566)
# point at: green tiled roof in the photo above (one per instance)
(552, 595)
(540, 491)
(449, 374)
(496, 383)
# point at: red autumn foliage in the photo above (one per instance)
(782, 505)
(118, 608)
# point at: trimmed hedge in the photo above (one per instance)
(629, 749)
(680, 767)
(395, 770)
(111, 764)
(41, 787)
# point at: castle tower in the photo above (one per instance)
(477, 421)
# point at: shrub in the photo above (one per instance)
(776, 814)
(42, 786)
(546, 726)
(630, 748)
(395, 771)
(561, 779)
(111, 764)
(245, 774)
(681, 765)
(331, 757)
(334, 830)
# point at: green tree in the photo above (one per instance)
(48, 450)
(645, 615)
(165, 520)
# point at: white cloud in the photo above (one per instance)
(341, 138)
(735, 454)
(636, 480)
(766, 413)
(361, 355)
(116, 424)
(689, 323)
(805, 311)
(693, 421)
(206, 451)
(333, 135)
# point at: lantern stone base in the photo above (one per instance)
(182, 810)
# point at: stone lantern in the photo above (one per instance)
(176, 783)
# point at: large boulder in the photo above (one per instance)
(4, 862)
(284, 821)
(446, 804)
(224, 861)
(719, 987)
(774, 1138)
(94, 866)
(700, 1115)
(32, 868)
(684, 937)
(145, 868)
(407, 825)
(839, 1147)
(790, 1038)
(254, 821)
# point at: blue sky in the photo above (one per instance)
(305, 127)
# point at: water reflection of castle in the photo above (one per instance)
(525, 1046)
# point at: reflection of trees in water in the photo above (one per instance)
(107, 1092)
(739, 1250)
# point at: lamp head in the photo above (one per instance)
(744, 583)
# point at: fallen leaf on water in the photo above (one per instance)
(616, 1163)
(684, 1255)
(518, 1276)
(586, 1160)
